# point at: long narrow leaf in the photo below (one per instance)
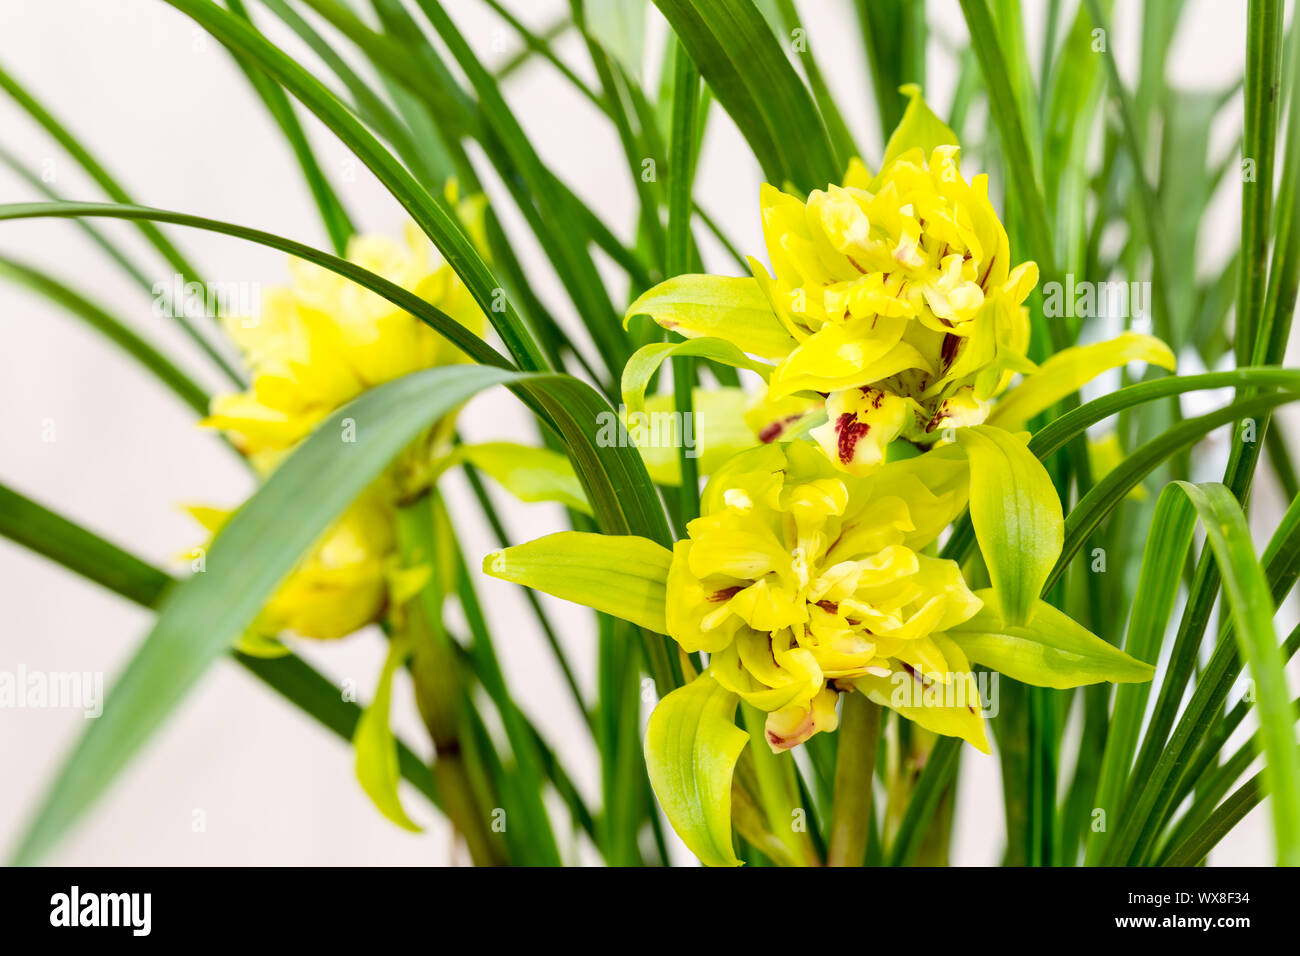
(248, 558)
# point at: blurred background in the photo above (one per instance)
(238, 776)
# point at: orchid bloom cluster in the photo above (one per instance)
(316, 345)
(799, 581)
(893, 314)
(897, 322)
(900, 301)
(893, 310)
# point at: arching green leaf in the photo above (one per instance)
(622, 575)
(692, 744)
(1017, 517)
(1050, 649)
(376, 748)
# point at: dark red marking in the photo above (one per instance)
(771, 432)
(850, 432)
(948, 351)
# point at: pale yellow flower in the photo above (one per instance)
(901, 300)
(342, 584)
(324, 340)
(800, 581)
(316, 345)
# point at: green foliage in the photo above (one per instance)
(419, 104)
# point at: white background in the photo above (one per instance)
(169, 114)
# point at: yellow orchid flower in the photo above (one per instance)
(893, 303)
(316, 345)
(324, 340)
(801, 582)
(906, 289)
(342, 584)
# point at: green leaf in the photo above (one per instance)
(1261, 100)
(376, 748)
(645, 362)
(1022, 184)
(1193, 850)
(1164, 758)
(742, 61)
(1050, 649)
(685, 130)
(530, 474)
(83, 158)
(1153, 220)
(1069, 370)
(37, 528)
(81, 552)
(449, 328)
(692, 744)
(423, 153)
(1071, 97)
(112, 328)
(1075, 422)
(111, 249)
(918, 129)
(1252, 611)
(622, 575)
(554, 207)
(1017, 517)
(939, 771)
(1163, 557)
(247, 560)
(1060, 432)
(619, 26)
(261, 645)
(1102, 498)
(436, 221)
(894, 38)
(333, 215)
(733, 309)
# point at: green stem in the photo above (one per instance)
(439, 688)
(548, 631)
(778, 791)
(940, 768)
(681, 169)
(854, 766)
(1263, 80)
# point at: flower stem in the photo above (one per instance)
(778, 792)
(439, 686)
(681, 171)
(854, 766)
